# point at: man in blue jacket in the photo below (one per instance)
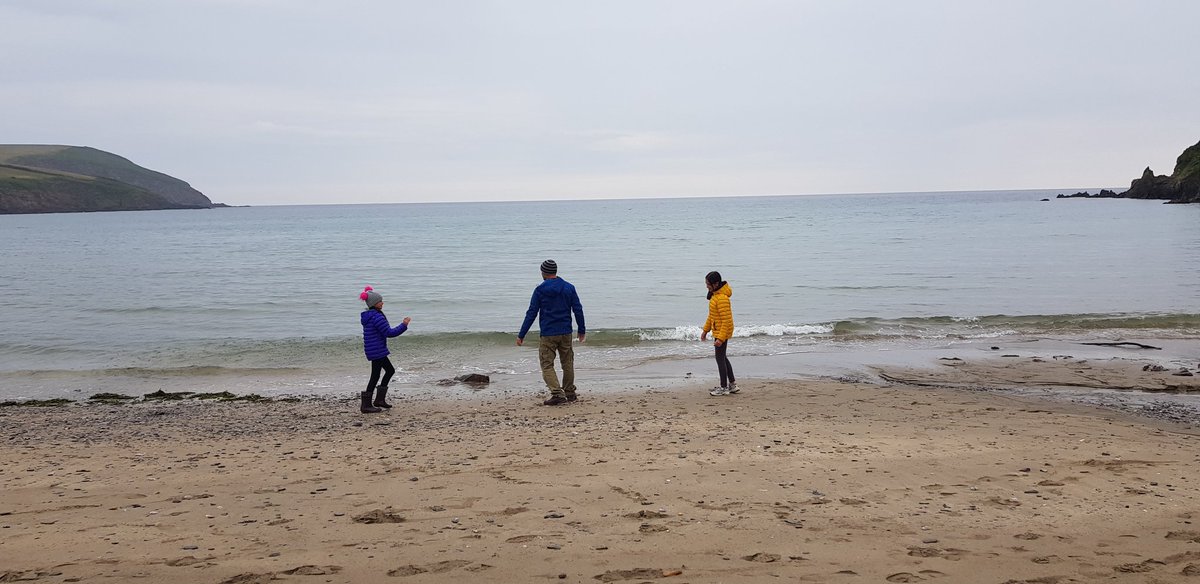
(552, 303)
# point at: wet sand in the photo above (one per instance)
(815, 481)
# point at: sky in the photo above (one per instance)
(263, 102)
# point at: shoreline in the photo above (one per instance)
(1051, 369)
(300, 366)
(798, 480)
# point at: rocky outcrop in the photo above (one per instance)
(1182, 186)
(1103, 194)
(1150, 187)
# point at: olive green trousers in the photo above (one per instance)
(560, 345)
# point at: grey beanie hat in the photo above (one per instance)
(371, 297)
(549, 267)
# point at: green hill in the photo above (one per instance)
(1187, 174)
(1183, 186)
(64, 179)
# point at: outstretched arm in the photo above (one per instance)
(399, 329)
(530, 314)
(387, 330)
(577, 308)
(384, 328)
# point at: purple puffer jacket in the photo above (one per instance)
(376, 331)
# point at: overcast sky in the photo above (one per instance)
(298, 101)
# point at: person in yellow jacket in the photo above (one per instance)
(720, 322)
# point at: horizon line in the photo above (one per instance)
(662, 198)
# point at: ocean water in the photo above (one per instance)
(265, 299)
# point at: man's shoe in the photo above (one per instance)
(718, 391)
(555, 400)
(572, 397)
(733, 388)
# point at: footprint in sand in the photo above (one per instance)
(1192, 536)
(1139, 567)
(636, 574)
(184, 561)
(1002, 502)
(924, 575)
(1120, 466)
(409, 570)
(521, 538)
(379, 516)
(249, 578)
(435, 568)
(310, 570)
(951, 554)
(904, 577)
(918, 577)
(11, 576)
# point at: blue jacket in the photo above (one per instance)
(552, 304)
(376, 331)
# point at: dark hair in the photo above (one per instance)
(714, 279)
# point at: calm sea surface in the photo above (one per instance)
(94, 302)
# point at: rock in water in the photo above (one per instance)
(475, 378)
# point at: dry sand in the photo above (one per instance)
(809, 481)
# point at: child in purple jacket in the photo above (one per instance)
(376, 331)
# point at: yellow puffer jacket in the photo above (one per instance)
(720, 314)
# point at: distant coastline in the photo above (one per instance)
(73, 179)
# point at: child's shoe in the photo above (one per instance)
(718, 391)
(380, 397)
(366, 406)
(733, 388)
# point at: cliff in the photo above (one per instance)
(1183, 186)
(65, 179)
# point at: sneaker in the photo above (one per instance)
(572, 397)
(555, 400)
(733, 388)
(718, 391)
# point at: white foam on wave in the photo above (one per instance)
(992, 334)
(692, 333)
(782, 330)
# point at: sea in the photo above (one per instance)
(265, 300)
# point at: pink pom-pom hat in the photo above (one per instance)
(371, 297)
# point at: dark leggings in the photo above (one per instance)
(385, 365)
(724, 367)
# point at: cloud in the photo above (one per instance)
(618, 141)
(287, 100)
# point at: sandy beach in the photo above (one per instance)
(791, 480)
